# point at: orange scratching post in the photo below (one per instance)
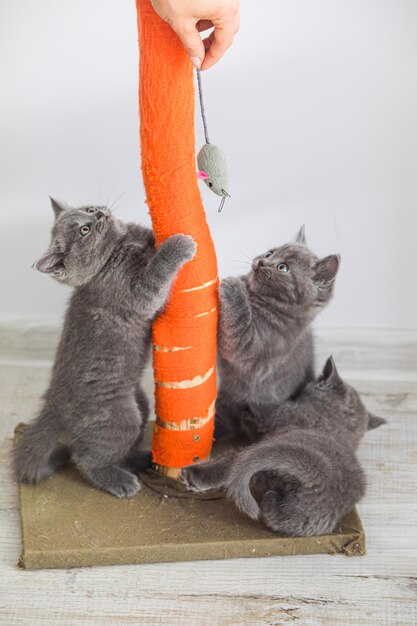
(184, 336)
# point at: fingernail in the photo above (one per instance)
(196, 62)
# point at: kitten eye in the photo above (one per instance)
(283, 267)
(269, 253)
(91, 209)
(84, 230)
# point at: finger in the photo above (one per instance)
(191, 41)
(220, 40)
(204, 25)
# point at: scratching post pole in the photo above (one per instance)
(184, 335)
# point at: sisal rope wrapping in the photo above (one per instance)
(184, 335)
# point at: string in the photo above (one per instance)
(202, 109)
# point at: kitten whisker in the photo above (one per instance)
(241, 269)
(240, 261)
(115, 201)
(242, 252)
(112, 186)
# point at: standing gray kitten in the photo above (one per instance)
(304, 476)
(265, 343)
(95, 402)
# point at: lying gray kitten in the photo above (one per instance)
(95, 401)
(265, 343)
(305, 474)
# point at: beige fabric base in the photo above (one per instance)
(67, 523)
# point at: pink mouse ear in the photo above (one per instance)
(202, 175)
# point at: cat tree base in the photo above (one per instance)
(66, 523)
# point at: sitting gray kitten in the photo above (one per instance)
(95, 402)
(265, 343)
(305, 474)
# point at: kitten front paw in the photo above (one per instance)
(231, 289)
(193, 478)
(181, 247)
(232, 283)
(121, 483)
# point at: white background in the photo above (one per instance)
(315, 106)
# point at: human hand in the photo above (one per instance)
(189, 17)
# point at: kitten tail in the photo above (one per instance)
(247, 464)
(261, 458)
(36, 455)
(305, 500)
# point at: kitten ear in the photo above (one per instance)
(324, 274)
(326, 269)
(50, 263)
(330, 373)
(301, 236)
(375, 421)
(57, 208)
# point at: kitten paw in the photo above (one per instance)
(193, 478)
(231, 289)
(232, 283)
(127, 487)
(182, 247)
(115, 480)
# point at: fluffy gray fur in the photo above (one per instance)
(95, 402)
(303, 477)
(265, 343)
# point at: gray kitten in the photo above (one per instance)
(304, 477)
(95, 402)
(265, 344)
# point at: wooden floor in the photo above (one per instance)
(379, 589)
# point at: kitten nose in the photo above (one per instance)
(99, 214)
(261, 263)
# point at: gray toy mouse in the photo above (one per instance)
(211, 161)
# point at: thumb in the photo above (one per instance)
(191, 41)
